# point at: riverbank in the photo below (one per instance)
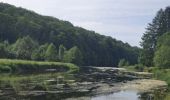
(145, 85)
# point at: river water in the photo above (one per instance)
(122, 95)
(125, 95)
(10, 85)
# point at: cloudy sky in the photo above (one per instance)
(125, 20)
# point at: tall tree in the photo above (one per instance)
(61, 52)
(162, 54)
(74, 55)
(123, 62)
(157, 28)
(24, 47)
(39, 54)
(51, 54)
(3, 49)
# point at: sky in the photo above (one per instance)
(124, 20)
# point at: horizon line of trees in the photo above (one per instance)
(28, 49)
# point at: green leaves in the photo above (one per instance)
(24, 47)
(51, 54)
(158, 27)
(162, 54)
(39, 53)
(61, 52)
(74, 55)
(123, 63)
(97, 50)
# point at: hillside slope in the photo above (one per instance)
(97, 50)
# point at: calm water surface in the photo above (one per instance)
(127, 95)
(122, 95)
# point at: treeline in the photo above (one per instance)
(27, 48)
(48, 32)
(156, 41)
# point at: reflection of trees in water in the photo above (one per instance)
(154, 95)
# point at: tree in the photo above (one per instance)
(51, 53)
(162, 54)
(123, 62)
(74, 55)
(24, 47)
(39, 54)
(157, 28)
(97, 50)
(162, 58)
(3, 50)
(61, 52)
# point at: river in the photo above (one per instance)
(60, 86)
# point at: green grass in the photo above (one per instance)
(161, 74)
(9, 65)
(164, 75)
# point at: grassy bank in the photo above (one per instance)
(8, 65)
(162, 74)
(159, 73)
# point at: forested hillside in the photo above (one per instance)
(25, 34)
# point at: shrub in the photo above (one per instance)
(4, 68)
(139, 67)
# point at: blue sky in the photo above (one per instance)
(124, 20)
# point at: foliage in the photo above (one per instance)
(139, 67)
(3, 50)
(61, 52)
(51, 54)
(161, 74)
(74, 55)
(96, 49)
(157, 28)
(162, 54)
(24, 47)
(123, 62)
(39, 53)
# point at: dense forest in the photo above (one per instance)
(156, 41)
(25, 34)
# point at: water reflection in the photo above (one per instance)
(123, 95)
(127, 95)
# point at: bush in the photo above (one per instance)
(5, 68)
(139, 67)
(123, 63)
